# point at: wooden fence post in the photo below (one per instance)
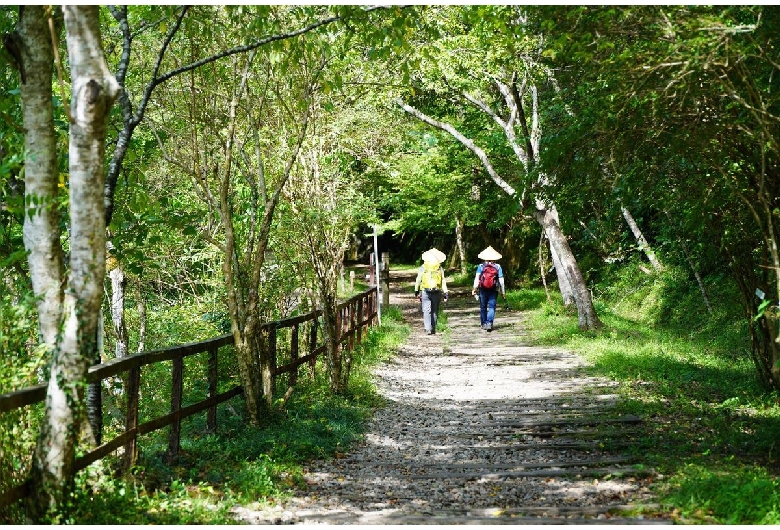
(177, 389)
(211, 414)
(356, 310)
(313, 345)
(131, 417)
(294, 354)
(360, 319)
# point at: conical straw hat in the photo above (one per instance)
(489, 254)
(434, 255)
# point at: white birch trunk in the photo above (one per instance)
(586, 313)
(564, 281)
(94, 90)
(41, 221)
(118, 289)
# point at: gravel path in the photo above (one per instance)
(480, 428)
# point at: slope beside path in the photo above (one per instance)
(480, 428)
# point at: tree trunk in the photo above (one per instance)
(564, 280)
(640, 240)
(266, 346)
(95, 392)
(460, 245)
(118, 287)
(542, 266)
(245, 352)
(586, 313)
(41, 221)
(335, 358)
(94, 90)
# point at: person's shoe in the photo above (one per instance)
(428, 332)
(489, 326)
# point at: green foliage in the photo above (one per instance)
(20, 362)
(747, 495)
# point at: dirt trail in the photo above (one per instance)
(480, 428)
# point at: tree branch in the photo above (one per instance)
(467, 142)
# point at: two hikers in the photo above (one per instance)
(488, 281)
(430, 287)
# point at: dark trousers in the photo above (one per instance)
(431, 298)
(487, 305)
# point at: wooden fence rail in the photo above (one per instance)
(355, 314)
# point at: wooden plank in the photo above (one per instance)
(550, 511)
(514, 465)
(116, 366)
(530, 423)
(536, 434)
(105, 449)
(294, 355)
(22, 398)
(594, 472)
(166, 420)
(551, 445)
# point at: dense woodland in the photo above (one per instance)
(171, 173)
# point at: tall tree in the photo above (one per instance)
(327, 206)
(488, 79)
(69, 307)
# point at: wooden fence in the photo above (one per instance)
(354, 317)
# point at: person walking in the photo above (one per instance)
(430, 287)
(488, 282)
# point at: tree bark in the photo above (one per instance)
(564, 280)
(542, 267)
(41, 221)
(460, 245)
(94, 90)
(118, 289)
(586, 314)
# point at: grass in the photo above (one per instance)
(711, 430)
(239, 465)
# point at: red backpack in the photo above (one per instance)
(488, 279)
